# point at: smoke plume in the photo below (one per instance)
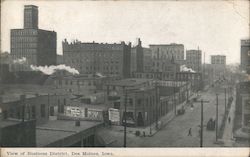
(48, 70)
(184, 68)
(20, 60)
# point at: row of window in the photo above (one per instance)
(24, 32)
(24, 45)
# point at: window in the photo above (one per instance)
(42, 110)
(51, 111)
(33, 112)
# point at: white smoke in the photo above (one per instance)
(184, 68)
(20, 60)
(48, 70)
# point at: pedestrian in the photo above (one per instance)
(229, 119)
(190, 132)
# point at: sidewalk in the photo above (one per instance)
(228, 131)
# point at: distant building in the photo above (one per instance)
(245, 55)
(168, 51)
(92, 58)
(137, 57)
(147, 62)
(34, 46)
(218, 59)
(78, 84)
(193, 60)
(194, 78)
(218, 63)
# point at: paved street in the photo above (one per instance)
(175, 133)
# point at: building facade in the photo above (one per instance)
(168, 51)
(245, 55)
(218, 63)
(218, 59)
(92, 58)
(32, 45)
(242, 110)
(193, 60)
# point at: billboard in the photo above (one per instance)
(114, 115)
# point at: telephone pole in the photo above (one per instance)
(125, 119)
(201, 124)
(201, 138)
(225, 100)
(216, 133)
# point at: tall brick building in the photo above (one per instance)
(245, 55)
(37, 46)
(193, 60)
(168, 51)
(91, 58)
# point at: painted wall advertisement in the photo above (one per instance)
(114, 115)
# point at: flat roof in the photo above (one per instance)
(5, 123)
(59, 129)
(130, 82)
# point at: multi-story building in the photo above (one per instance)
(35, 46)
(169, 51)
(140, 98)
(194, 78)
(218, 63)
(193, 60)
(147, 62)
(245, 55)
(137, 57)
(92, 58)
(218, 59)
(242, 116)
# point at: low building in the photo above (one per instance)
(67, 133)
(78, 84)
(17, 133)
(140, 98)
(242, 113)
(41, 108)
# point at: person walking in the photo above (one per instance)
(190, 132)
(229, 119)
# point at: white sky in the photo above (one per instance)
(215, 26)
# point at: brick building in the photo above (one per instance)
(168, 51)
(37, 46)
(193, 60)
(245, 55)
(218, 63)
(140, 96)
(242, 116)
(92, 58)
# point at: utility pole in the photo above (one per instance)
(216, 135)
(201, 133)
(201, 124)
(225, 100)
(125, 118)
(156, 112)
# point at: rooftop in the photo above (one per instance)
(6, 123)
(59, 129)
(130, 82)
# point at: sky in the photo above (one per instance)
(216, 27)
